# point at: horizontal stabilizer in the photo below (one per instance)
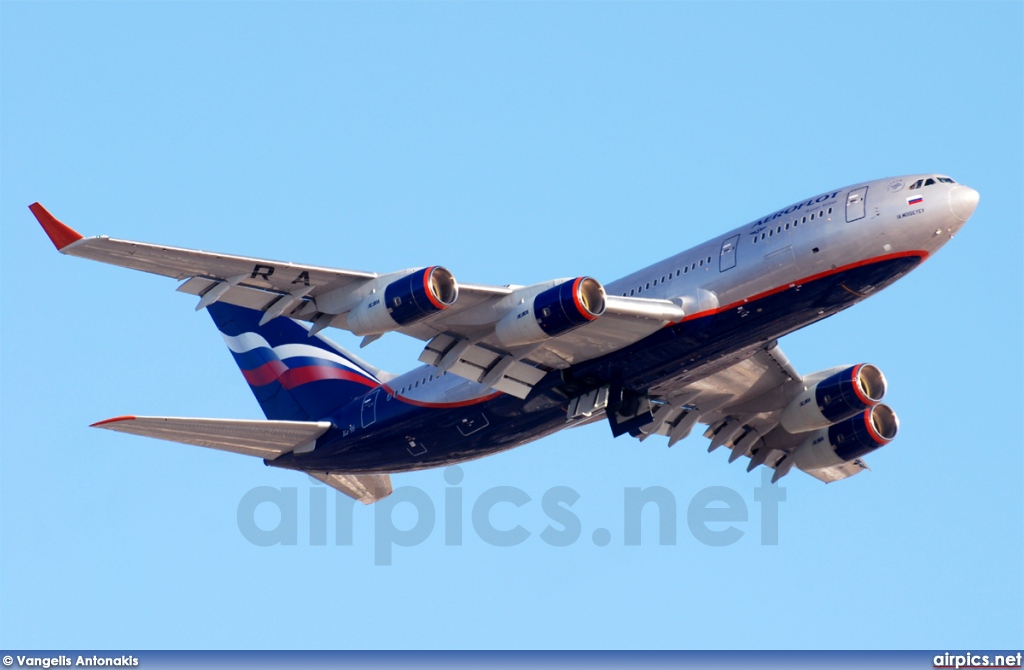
(263, 439)
(364, 488)
(837, 472)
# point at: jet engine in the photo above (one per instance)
(847, 440)
(405, 301)
(552, 312)
(834, 398)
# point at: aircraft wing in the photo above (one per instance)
(462, 336)
(741, 405)
(250, 278)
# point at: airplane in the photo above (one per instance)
(689, 340)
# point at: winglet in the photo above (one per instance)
(59, 234)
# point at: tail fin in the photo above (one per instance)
(294, 377)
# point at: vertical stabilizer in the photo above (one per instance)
(294, 376)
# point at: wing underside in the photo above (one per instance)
(741, 405)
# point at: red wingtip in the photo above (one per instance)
(116, 418)
(59, 234)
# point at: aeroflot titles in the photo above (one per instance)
(793, 208)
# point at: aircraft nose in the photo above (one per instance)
(962, 201)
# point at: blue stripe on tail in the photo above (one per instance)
(294, 376)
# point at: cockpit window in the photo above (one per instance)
(929, 181)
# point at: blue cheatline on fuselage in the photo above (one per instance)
(404, 437)
(294, 377)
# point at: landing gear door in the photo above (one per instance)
(855, 203)
(727, 257)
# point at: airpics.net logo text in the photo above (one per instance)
(716, 516)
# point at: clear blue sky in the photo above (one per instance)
(511, 143)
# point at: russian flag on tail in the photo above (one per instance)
(293, 376)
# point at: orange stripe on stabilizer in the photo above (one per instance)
(59, 234)
(115, 419)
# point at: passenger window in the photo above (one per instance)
(631, 291)
(770, 233)
(787, 226)
(812, 217)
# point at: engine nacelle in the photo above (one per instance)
(848, 440)
(552, 312)
(404, 301)
(834, 398)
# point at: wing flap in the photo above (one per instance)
(495, 369)
(740, 403)
(263, 439)
(243, 296)
(366, 489)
